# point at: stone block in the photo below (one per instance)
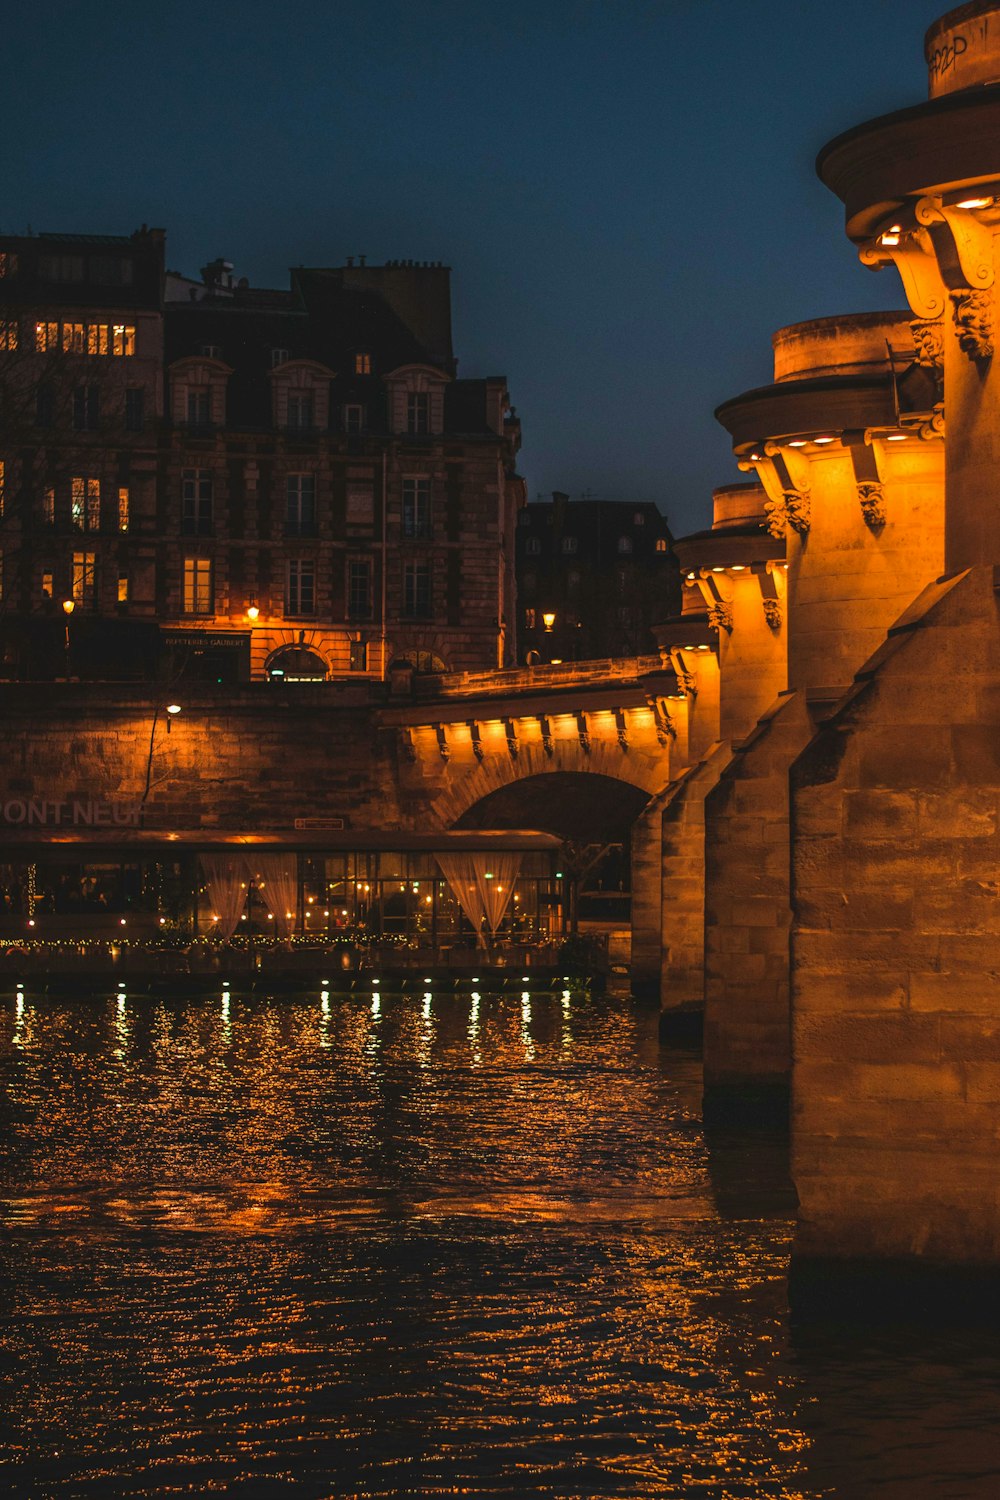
(731, 939)
(852, 1038)
(918, 758)
(966, 812)
(970, 1038)
(971, 952)
(976, 750)
(760, 911)
(966, 994)
(889, 909)
(875, 814)
(920, 1081)
(854, 951)
(768, 940)
(818, 810)
(983, 1085)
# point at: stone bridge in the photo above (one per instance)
(517, 743)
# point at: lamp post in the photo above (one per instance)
(549, 620)
(68, 607)
(171, 710)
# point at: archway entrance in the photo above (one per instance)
(296, 664)
(594, 814)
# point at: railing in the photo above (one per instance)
(537, 679)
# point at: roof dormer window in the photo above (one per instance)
(301, 390)
(416, 400)
(198, 392)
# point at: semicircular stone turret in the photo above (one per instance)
(963, 49)
(844, 444)
(851, 344)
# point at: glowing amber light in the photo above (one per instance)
(253, 612)
(69, 605)
(548, 620)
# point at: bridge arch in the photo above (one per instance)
(576, 805)
(469, 781)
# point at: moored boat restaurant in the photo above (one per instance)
(129, 899)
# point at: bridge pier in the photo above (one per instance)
(748, 919)
(682, 980)
(647, 900)
(897, 950)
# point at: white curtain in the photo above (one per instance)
(276, 877)
(483, 885)
(496, 874)
(460, 872)
(226, 877)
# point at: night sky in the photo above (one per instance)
(625, 188)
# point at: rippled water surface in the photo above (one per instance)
(425, 1245)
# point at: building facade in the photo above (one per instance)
(204, 477)
(592, 578)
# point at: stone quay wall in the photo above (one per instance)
(237, 759)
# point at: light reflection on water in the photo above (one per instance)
(424, 1245)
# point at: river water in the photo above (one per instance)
(426, 1245)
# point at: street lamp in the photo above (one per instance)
(171, 710)
(253, 612)
(68, 607)
(548, 620)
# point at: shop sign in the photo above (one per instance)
(204, 640)
(74, 812)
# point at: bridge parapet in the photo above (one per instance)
(546, 677)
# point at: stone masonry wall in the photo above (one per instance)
(747, 905)
(896, 947)
(683, 884)
(246, 758)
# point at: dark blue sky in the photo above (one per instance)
(625, 188)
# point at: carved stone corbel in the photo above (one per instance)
(865, 459)
(912, 253)
(872, 497)
(962, 244)
(444, 749)
(477, 744)
(546, 731)
(720, 616)
(583, 730)
(973, 315)
(777, 517)
(798, 510)
(792, 502)
(510, 731)
(771, 604)
(622, 729)
(928, 343)
(774, 503)
(409, 738)
(934, 427)
(687, 681)
(662, 721)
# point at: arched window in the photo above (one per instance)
(296, 664)
(421, 662)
